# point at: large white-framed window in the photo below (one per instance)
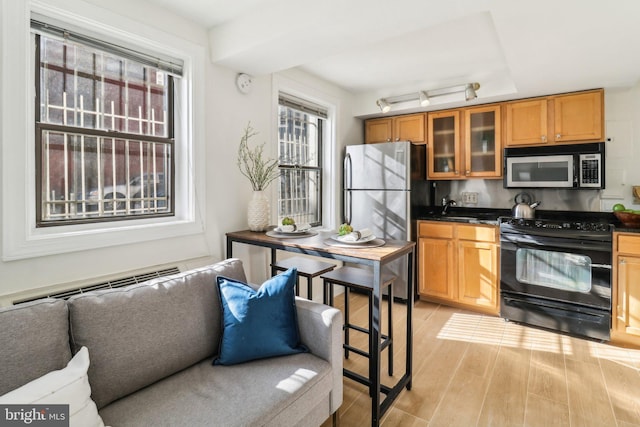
(21, 237)
(104, 129)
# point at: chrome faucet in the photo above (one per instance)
(446, 203)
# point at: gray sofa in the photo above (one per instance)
(151, 347)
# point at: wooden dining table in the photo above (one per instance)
(375, 255)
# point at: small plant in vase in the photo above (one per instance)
(260, 171)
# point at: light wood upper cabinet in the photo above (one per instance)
(410, 127)
(459, 264)
(483, 142)
(626, 289)
(526, 122)
(578, 117)
(465, 143)
(444, 145)
(560, 119)
(377, 130)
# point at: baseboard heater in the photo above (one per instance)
(110, 284)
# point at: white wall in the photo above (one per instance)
(622, 120)
(221, 200)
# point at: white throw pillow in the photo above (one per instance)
(65, 386)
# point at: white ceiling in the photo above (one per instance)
(513, 48)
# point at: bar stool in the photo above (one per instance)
(362, 280)
(306, 267)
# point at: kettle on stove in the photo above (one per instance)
(524, 208)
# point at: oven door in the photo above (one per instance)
(557, 269)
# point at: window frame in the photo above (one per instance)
(41, 126)
(320, 125)
(21, 239)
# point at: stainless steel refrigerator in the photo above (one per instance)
(381, 184)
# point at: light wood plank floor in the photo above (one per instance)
(477, 370)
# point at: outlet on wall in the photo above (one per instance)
(470, 198)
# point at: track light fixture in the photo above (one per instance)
(470, 91)
(424, 99)
(424, 96)
(385, 107)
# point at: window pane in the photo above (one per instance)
(86, 176)
(90, 89)
(300, 195)
(299, 137)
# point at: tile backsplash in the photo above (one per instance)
(491, 194)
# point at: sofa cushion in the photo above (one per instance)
(140, 334)
(258, 324)
(35, 341)
(67, 386)
(267, 392)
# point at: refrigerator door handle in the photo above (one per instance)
(348, 168)
(400, 155)
(348, 179)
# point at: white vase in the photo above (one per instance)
(258, 212)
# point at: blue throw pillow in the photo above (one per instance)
(258, 324)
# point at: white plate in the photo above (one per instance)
(372, 244)
(278, 235)
(293, 233)
(337, 238)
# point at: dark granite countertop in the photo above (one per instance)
(490, 216)
(460, 214)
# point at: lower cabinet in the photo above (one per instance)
(625, 328)
(458, 264)
(436, 282)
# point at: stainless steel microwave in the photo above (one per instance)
(578, 166)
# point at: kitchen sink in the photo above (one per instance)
(489, 218)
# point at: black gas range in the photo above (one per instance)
(556, 272)
(564, 221)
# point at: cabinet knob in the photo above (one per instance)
(467, 172)
(543, 137)
(397, 139)
(558, 136)
(457, 172)
(622, 261)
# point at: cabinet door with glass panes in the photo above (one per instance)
(444, 145)
(483, 142)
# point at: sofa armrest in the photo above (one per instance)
(321, 331)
